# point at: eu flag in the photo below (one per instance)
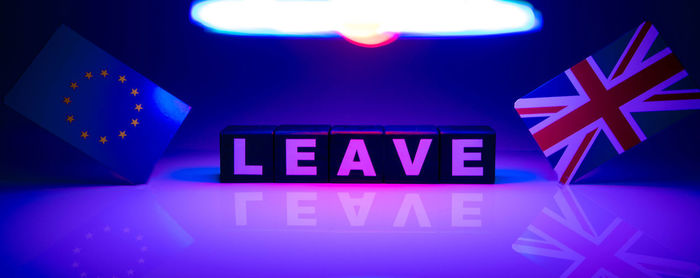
(91, 100)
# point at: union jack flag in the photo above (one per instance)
(608, 103)
(565, 233)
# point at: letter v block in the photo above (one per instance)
(411, 154)
(467, 154)
(301, 153)
(356, 154)
(247, 154)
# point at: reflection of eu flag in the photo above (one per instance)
(99, 105)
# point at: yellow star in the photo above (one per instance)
(104, 73)
(84, 134)
(134, 92)
(122, 78)
(138, 107)
(66, 100)
(122, 134)
(88, 75)
(74, 85)
(134, 122)
(70, 119)
(103, 139)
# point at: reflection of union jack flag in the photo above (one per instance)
(569, 235)
(629, 90)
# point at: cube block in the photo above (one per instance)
(356, 154)
(247, 154)
(467, 154)
(360, 154)
(411, 154)
(301, 153)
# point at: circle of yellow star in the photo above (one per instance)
(70, 119)
(134, 92)
(138, 107)
(74, 85)
(135, 122)
(104, 73)
(122, 134)
(66, 100)
(84, 134)
(103, 139)
(88, 75)
(122, 78)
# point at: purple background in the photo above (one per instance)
(48, 199)
(253, 80)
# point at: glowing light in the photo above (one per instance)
(367, 23)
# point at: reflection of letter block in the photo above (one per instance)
(356, 154)
(247, 154)
(467, 154)
(301, 153)
(411, 154)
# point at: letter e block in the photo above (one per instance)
(467, 154)
(301, 153)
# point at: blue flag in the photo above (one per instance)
(94, 102)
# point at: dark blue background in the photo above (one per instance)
(255, 80)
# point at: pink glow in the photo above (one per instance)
(356, 132)
(376, 40)
(402, 132)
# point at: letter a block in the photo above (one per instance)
(247, 154)
(467, 154)
(356, 154)
(301, 153)
(411, 154)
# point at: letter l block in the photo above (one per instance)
(247, 154)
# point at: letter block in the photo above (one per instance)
(301, 153)
(411, 154)
(356, 154)
(467, 154)
(247, 154)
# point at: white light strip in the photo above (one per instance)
(365, 18)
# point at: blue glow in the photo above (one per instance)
(170, 106)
